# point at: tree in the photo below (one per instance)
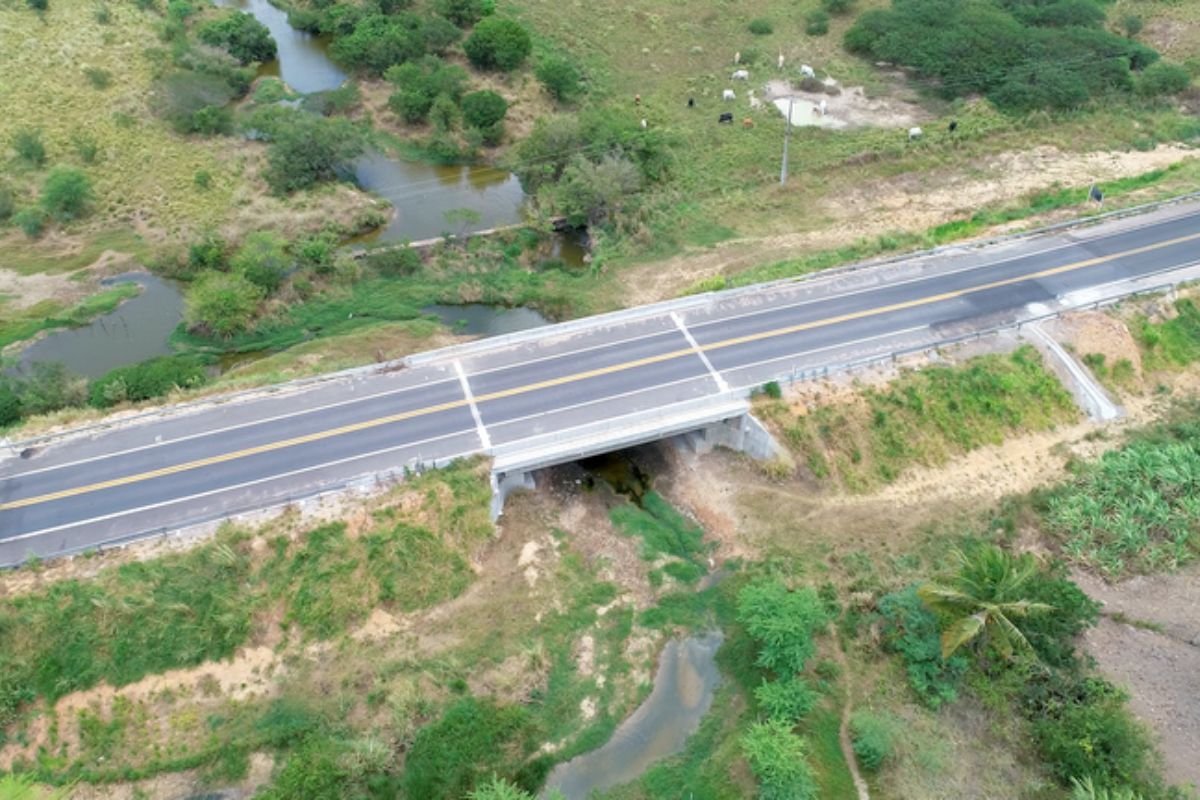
(463, 13)
(439, 34)
(483, 109)
(262, 259)
(243, 36)
(592, 192)
(418, 84)
(777, 759)
(66, 194)
(378, 41)
(10, 404)
(222, 304)
(1163, 77)
(499, 44)
(981, 600)
(305, 149)
(560, 77)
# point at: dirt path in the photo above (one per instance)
(860, 785)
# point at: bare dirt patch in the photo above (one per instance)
(850, 107)
(910, 203)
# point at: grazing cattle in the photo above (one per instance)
(645, 124)
(728, 95)
(914, 134)
(780, 62)
(737, 57)
(726, 116)
(755, 103)
(807, 71)
(823, 106)
(741, 75)
(637, 99)
(747, 123)
(953, 125)
(691, 102)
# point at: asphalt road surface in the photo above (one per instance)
(210, 460)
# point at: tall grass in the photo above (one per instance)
(1171, 343)
(1136, 509)
(664, 533)
(926, 417)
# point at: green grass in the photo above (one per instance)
(1172, 343)
(664, 532)
(925, 417)
(28, 257)
(1136, 509)
(50, 314)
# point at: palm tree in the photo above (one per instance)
(983, 597)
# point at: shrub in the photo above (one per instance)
(1131, 24)
(911, 630)
(395, 263)
(472, 739)
(777, 757)
(341, 100)
(837, 6)
(1163, 77)
(87, 147)
(463, 13)
(243, 36)
(787, 699)
(262, 259)
(66, 194)
(28, 144)
(761, 27)
(439, 34)
(560, 77)
(419, 84)
(50, 387)
(816, 22)
(31, 221)
(8, 203)
(202, 179)
(37, 5)
(102, 15)
(147, 380)
(10, 412)
(483, 109)
(871, 736)
(379, 41)
(499, 44)
(317, 251)
(98, 78)
(207, 253)
(194, 102)
(305, 150)
(444, 114)
(222, 304)
(592, 192)
(783, 622)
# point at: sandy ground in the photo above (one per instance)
(1157, 659)
(912, 202)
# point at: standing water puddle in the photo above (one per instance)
(138, 329)
(683, 692)
(477, 319)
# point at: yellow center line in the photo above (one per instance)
(580, 376)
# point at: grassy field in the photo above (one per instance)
(47, 315)
(923, 417)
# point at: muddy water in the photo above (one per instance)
(683, 691)
(303, 61)
(138, 329)
(477, 319)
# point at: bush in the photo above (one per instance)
(222, 304)
(837, 6)
(31, 221)
(499, 44)
(98, 78)
(816, 22)
(439, 34)
(10, 412)
(87, 147)
(777, 759)
(1163, 77)
(147, 380)
(262, 259)
(37, 5)
(911, 630)
(474, 738)
(28, 144)
(379, 41)
(1132, 25)
(304, 149)
(463, 13)
(787, 699)
(483, 109)
(871, 736)
(194, 102)
(783, 622)
(395, 263)
(560, 77)
(50, 387)
(761, 27)
(317, 251)
(419, 84)
(592, 192)
(66, 194)
(242, 36)
(8, 203)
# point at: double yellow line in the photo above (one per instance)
(580, 376)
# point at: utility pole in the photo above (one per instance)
(787, 134)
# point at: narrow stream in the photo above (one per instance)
(683, 692)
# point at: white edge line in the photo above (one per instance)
(885, 335)
(237, 486)
(484, 440)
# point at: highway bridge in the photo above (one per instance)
(556, 393)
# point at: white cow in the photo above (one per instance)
(737, 57)
(741, 75)
(914, 134)
(807, 71)
(728, 95)
(755, 103)
(645, 124)
(823, 106)
(780, 61)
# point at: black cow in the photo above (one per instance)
(953, 125)
(691, 102)
(726, 117)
